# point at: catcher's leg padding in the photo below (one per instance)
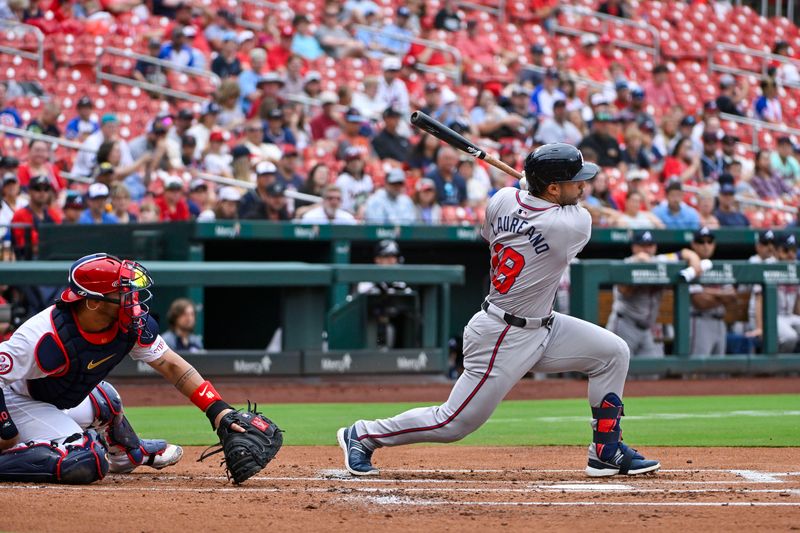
(608, 455)
(126, 449)
(81, 460)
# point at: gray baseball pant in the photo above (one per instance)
(496, 357)
(640, 341)
(708, 336)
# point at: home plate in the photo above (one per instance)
(585, 487)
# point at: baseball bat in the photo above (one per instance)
(442, 132)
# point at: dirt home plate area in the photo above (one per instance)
(428, 488)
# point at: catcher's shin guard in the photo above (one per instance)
(126, 449)
(81, 460)
(608, 455)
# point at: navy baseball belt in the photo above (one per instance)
(516, 321)
(715, 316)
(637, 323)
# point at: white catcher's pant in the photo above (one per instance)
(496, 357)
(43, 422)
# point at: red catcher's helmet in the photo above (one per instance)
(96, 276)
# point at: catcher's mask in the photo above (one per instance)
(97, 276)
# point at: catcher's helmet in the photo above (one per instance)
(556, 163)
(97, 276)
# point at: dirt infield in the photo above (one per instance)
(431, 488)
(156, 391)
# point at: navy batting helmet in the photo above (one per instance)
(387, 247)
(556, 163)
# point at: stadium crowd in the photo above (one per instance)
(272, 124)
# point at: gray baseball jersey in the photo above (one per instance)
(532, 242)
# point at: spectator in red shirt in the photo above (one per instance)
(36, 212)
(327, 125)
(659, 92)
(683, 163)
(38, 164)
(278, 54)
(588, 62)
(544, 12)
(172, 203)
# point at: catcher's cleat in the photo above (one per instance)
(626, 461)
(156, 454)
(357, 458)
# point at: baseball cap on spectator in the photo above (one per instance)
(9, 161)
(189, 31)
(605, 39)
(9, 177)
(784, 139)
(519, 90)
(621, 84)
(246, 35)
(395, 176)
(726, 177)
(229, 194)
(786, 241)
(603, 116)
(661, 68)
(703, 234)
(391, 63)
(352, 153)
(289, 150)
(391, 112)
(276, 189)
(730, 139)
(185, 114)
(84, 101)
(229, 36)
(39, 181)
(637, 174)
(648, 125)
(431, 87)
(588, 39)
(448, 96)
(643, 237)
(537, 49)
(458, 126)
(403, 11)
(637, 93)
(710, 106)
(216, 136)
(188, 140)
(688, 120)
(210, 108)
(353, 115)
(153, 42)
(726, 80)
(766, 237)
(275, 114)
(97, 190)
(271, 77)
(266, 167)
(710, 137)
(598, 99)
(551, 73)
(328, 97)
(109, 117)
(312, 75)
(727, 188)
(197, 184)
(673, 185)
(240, 150)
(426, 184)
(74, 200)
(173, 183)
(507, 148)
(105, 168)
(287, 31)
(227, 15)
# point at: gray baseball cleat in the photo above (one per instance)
(626, 461)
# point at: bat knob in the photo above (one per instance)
(523, 183)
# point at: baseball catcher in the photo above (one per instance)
(60, 422)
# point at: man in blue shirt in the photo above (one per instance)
(673, 212)
(451, 188)
(96, 213)
(8, 115)
(727, 212)
(82, 126)
(389, 40)
(391, 205)
(177, 51)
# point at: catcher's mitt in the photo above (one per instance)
(246, 453)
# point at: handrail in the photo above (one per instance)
(748, 200)
(263, 4)
(430, 44)
(638, 24)
(759, 125)
(19, 132)
(714, 67)
(39, 56)
(579, 80)
(150, 87)
(221, 180)
(499, 10)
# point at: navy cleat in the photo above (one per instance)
(357, 458)
(625, 462)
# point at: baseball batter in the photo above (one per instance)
(532, 235)
(59, 421)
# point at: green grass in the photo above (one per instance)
(768, 420)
